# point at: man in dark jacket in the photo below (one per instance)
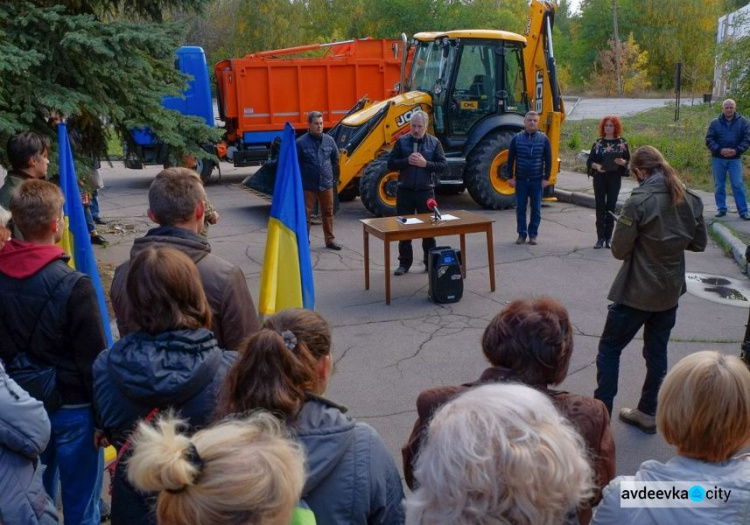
(28, 156)
(417, 157)
(530, 162)
(177, 204)
(319, 166)
(728, 138)
(50, 313)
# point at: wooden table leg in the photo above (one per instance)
(491, 257)
(463, 255)
(387, 249)
(367, 257)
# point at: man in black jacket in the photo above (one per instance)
(319, 167)
(50, 313)
(417, 156)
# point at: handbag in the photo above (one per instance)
(40, 381)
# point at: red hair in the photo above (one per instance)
(615, 121)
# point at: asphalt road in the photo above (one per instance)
(385, 355)
(581, 108)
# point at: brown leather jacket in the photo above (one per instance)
(232, 306)
(587, 414)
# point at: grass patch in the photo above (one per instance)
(681, 142)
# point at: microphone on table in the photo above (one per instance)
(432, 206)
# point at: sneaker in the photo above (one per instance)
(521, 239)
(745, 216)
(401, 270)
(98, 239)
(532, 240)
(599, 244)
(633, 416)
(721, 213)
(333, 246)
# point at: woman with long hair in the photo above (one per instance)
(172, 362)
(659, 221)
(285, 369)
(607, 164)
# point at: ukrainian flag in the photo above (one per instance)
(287, 278)
(76, 240)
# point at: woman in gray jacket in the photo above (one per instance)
(24, 433)
(285, 368)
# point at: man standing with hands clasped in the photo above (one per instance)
(530, 163)
(416, 156)
(728, 138)
(319, 166)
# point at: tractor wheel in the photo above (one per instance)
(377, 188)
(486, 176)
(349, 193)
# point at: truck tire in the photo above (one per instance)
(482, 173)
(377, 188)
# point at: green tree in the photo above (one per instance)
(84, 59)
(633, 64)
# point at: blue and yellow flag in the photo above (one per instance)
(287, 279)
(76, 240)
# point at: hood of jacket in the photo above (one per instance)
(21, 260)
(166, 368)
(327, 434)
(190, 243)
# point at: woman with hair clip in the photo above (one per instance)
(238, 471)
(659, 221)
(172, 362)
(285, 369)
(607, 163)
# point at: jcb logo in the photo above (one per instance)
(403, 119)
(539, 91)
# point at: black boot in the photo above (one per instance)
(599, 244)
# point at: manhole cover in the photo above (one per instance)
(719, 289)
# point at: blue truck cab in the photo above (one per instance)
(195, 100)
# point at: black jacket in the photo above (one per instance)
(51, 312)
(414, 177)
(181, 370)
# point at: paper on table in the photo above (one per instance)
(412, 221)
(448, 217)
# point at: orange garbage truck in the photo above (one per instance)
(258, 93)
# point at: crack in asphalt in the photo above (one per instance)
(380, 416)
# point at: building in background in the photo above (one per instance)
(731, 26)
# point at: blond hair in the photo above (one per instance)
(238, 471)
(704, 406)
(499, 453)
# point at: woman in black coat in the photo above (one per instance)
(172, 362)
(607, 163)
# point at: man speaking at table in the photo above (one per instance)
(417, 157)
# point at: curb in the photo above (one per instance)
(737, 247)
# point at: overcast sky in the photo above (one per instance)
(574, 5)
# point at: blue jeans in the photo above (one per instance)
(623, 322)
(720, 168)
(528, 190)
(71, 458)
(94, 205)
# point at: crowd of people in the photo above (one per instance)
(219, 418)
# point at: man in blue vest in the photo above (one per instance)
(530, 162)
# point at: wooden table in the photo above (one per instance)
(389, 229)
